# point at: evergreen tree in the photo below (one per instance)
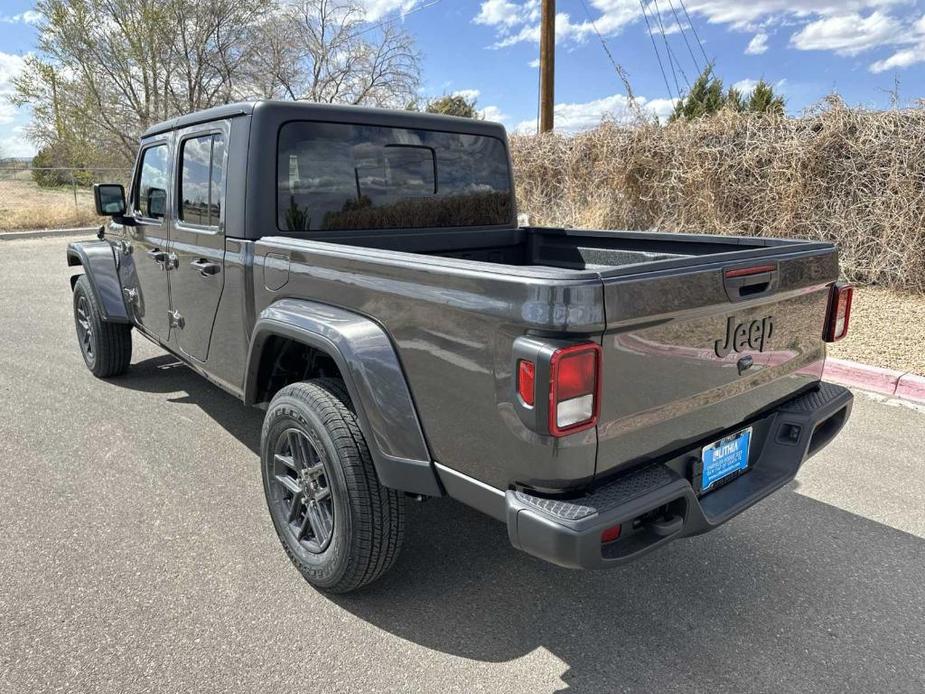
(764, 100)
(455, 105)
(707, 98)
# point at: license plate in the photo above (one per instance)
(724, 459)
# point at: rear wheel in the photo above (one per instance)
(106, 347)
(340, 527)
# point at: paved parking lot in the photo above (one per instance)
(136, 554)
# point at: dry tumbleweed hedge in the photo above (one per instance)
(841, 174)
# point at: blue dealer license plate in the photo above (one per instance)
(727, 457)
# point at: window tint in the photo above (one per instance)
(151, 195)
(339, 176)
(202, 173)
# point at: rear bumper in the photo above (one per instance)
(656, 504)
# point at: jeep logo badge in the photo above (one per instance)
(753, 335)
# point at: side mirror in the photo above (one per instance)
(109, 199)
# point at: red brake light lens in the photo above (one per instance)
(839, 314)
(574, 390)
(526, 381)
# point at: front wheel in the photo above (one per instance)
(340, 527)
(106, 347)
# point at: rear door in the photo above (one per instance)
(689, 354)
(144, 262)
(197, 244)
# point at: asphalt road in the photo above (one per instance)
(136, 554)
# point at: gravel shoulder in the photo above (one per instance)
(887, 330)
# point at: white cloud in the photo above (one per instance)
(577, 117)
(467, 94)
(906, 57)
(27, 17)
(745, 86)
(535, 63)
(901, 59)
(502, 13)
(8, 112)
(758, 44)
(377, 9)
(518, 22)
(848, 34)
(845, 26)
(10, 66)
(745, 15)
(15, 143)
(493, 113)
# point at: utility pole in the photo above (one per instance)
(547, 64)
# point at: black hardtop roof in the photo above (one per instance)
(304, 110)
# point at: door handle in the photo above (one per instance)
(206, 268)
(158, 256)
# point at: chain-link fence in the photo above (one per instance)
(51, 197)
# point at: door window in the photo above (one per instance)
(202, 169)
(151, 191)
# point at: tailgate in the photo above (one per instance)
(678, 342)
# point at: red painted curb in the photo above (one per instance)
(897, 384)
(911, 387)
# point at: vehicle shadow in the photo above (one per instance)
(166, 374)
(788, 597)
(793, 595)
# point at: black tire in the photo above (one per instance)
(368, 519)
(106, 347)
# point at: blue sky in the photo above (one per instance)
(488, 48)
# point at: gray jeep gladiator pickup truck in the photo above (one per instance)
(361, 275)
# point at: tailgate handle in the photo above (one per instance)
(750, 281)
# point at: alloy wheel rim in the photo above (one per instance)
(302, 499)
(84, 329)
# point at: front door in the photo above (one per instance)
(197, 241)
(143, 269)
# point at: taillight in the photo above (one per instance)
(574, 388)
(611, 534)
(839, 313)
(526, 381)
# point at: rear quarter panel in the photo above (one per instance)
(453, 325)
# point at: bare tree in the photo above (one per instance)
(322, 50)
(108, 69)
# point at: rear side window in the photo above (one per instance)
(333, 176)
(151, 191)
(201, 179)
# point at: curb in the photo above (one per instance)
(43, 233)
(896, 384)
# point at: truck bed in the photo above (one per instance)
(455, 301)
(600, 251)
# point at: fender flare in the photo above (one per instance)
(99, 264)
(374, 379)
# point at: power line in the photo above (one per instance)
(696, 35)
(684, 36)
(658, 56)
(395, 18)
(671, 58)
(621, 73)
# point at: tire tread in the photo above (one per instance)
(114, 340)
(377, 511)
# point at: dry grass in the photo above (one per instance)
(887, 329)
(848, 175)
(23, 205)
